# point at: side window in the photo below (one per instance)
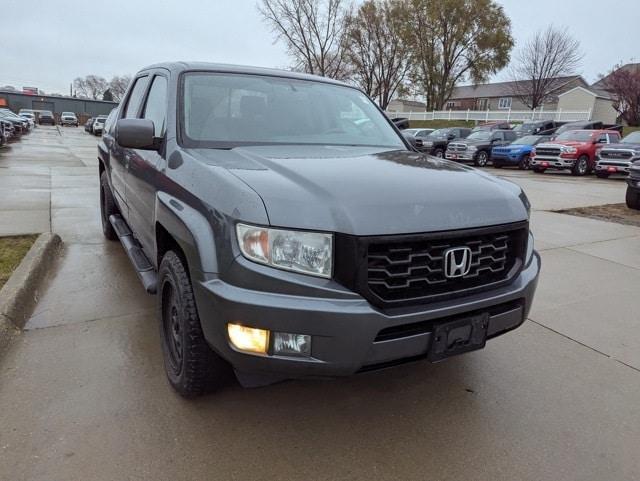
(602, 139)
(135, 99)
(510, 135)
(155, 108)
(497, 136)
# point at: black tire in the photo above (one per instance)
(107, 208)
(602, 175)
(581, 166)
(538, 170)
(482, 158)
(524, 163)
(191, 366)
(438, 153)
(633, 198)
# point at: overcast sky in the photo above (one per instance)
(46, 44)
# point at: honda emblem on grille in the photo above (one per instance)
(457, 262)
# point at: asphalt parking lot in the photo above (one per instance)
(83, 393)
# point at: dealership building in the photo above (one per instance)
(56, 104)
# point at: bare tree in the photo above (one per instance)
(453, 41)
(118, 86)
(624, 84)
(549, 54)
(91, 86)
(375, 50)
(313, 31)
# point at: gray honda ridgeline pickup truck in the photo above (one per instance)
(289, 230)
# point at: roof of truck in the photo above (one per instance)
(182, 66)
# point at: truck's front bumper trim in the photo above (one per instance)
(345, 331)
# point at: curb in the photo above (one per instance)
(20, 294)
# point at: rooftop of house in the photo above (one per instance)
(506, 89)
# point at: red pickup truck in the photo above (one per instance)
(574, 150)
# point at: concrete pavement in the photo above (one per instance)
(83, 393)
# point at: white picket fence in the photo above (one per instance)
(496, 115)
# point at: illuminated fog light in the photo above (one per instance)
(287, 344)
(248, 339)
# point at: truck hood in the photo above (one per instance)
(369, 191)
(513, 148)
(471, 142)
(620, 146)
(565, 143)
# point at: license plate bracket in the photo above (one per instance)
(458, 336)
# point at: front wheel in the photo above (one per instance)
(191, 365)
(482, 158)
(107, 208)
(524, 163)
(439, 153)
(633, 199)
(581, 167)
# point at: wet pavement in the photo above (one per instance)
(83, 393)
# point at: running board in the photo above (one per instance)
(141, 264)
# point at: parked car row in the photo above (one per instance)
(13, 126)
(95, 125)
(581, 147)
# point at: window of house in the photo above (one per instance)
(483, 104)
(450, 105)
(504, 103)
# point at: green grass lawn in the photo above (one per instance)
(12, 250)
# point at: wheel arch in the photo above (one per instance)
(179, 226)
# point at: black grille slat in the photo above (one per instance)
(548, 151)
(489, 263)
(615, 154)
(402, 270)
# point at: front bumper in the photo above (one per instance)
(614, 166)
(464, 155)
(506, 158)
(548, 162)
(346, 331)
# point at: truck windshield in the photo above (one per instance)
(231, 110)
(576, 136)
(480, 135)
(440, 133)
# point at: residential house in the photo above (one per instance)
(404, 105)
(500, 95)
(598, 102)
(602, 83)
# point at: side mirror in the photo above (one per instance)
(135, 134)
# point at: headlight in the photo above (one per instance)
(298, 251)
(427, 144)
(569, 150)
(472, 148)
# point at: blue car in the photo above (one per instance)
(517, 153)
